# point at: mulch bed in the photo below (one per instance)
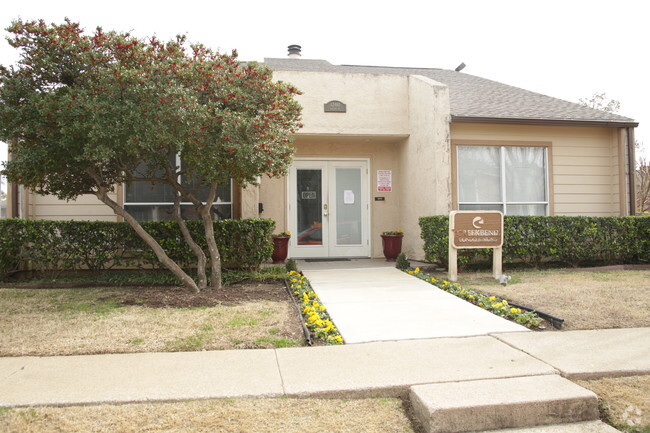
(179, 297)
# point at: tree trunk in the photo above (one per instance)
(208, 225)
(196, 249)
(187, 281)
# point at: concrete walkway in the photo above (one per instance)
(365, 369)
(384, 304)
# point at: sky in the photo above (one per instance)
(569, 49)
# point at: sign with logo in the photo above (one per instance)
(335, 107)
(476, 229)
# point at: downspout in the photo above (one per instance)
(632, 169)
(15, 201)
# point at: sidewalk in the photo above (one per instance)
(354, 370)
(385, 304)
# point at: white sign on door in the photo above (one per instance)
(384, 180)
(348, 196)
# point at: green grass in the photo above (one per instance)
(187, 344)
(277, 342)
(99, 307)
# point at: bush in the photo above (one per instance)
(574, 241)
(291, 265)
(402, 262)
(95, 245)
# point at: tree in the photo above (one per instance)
(642, 183)
(600, 101)
(85, 112)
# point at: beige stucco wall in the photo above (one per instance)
(376, 104)
(398, 123)
(585, 163)
(425, 170)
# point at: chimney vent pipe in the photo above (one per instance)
(294, 51)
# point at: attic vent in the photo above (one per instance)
(294, 51)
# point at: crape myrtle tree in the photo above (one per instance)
(85, 113)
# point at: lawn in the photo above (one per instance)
(584, 299)
(226, 416)
(42, 322)
(625, 401)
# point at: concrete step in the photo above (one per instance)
(579, 427)
(479, 405)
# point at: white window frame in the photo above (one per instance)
(502, 180)
(183, 203)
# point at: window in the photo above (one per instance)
(147, 202)
(511, 179)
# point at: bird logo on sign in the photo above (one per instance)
(478, 222)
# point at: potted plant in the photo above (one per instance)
(392, 243)
(280, 247)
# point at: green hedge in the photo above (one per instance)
(574, 241)
(95, 245)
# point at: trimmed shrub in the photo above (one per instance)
(12, 233)
(70, 245)
(574, 241)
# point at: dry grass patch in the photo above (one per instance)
(92, 321)
(226, 416)
(626, 400)
(584, 299)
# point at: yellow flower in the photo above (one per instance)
(505, 302)
(491, 298)
(417, 270)
(515, 310)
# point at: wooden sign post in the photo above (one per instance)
(475, 229)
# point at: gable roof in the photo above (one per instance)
(476, 99)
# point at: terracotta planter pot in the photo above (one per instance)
(392, 246)
(280, 249)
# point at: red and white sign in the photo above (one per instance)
(384, 180)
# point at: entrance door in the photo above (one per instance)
(328, 208)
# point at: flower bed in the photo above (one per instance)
(497, 306)
(315, 313)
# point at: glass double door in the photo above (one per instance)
(328, 208)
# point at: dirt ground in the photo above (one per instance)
(225, 416)
(584, 299)
(130, 319)
(179, 297)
